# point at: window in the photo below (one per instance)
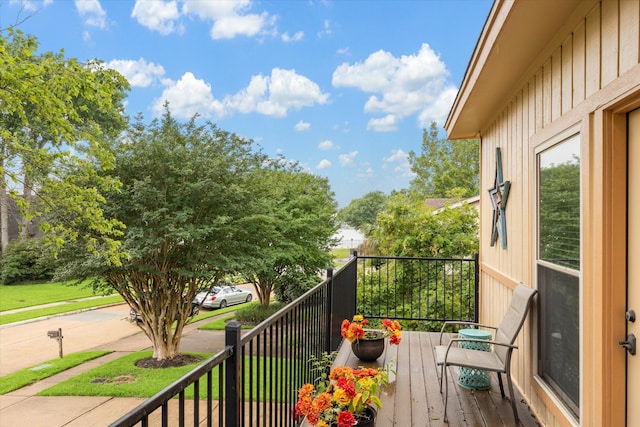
(558, 269)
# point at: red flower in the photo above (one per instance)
(346, 419)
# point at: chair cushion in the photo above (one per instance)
(487, 360)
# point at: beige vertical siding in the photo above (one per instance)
(577, 75)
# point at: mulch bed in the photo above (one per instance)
(180, 360)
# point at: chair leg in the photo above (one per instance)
(513, 399)
(500, 384)
(446, 391)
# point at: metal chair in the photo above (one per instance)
(498, 359)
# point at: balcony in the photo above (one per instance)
(254, 380)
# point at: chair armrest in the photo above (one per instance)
(460, 322)
(457, 340)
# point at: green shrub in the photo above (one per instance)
(256, 313)
(26, 261)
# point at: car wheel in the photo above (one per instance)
(195, 309)
(249, 298)
(223, 303)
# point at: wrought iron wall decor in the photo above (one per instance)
(499, 195)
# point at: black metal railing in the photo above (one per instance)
(254, 380)
(424, 291)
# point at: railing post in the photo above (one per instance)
(232, 375)
(476, 259)
(329, 327)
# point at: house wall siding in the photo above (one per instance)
(593, 62)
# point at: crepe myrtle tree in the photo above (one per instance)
(295, 239)
(188, 203)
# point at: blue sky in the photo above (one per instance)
(343, 87)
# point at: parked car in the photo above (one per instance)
(220, 296)
(135, 315)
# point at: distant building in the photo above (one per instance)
(349, 238)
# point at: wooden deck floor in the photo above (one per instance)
(413, 396)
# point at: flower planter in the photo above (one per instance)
(368, 349)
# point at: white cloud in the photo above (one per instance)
(158, 15)
(347, 159)
(294, 38)
(230, 18)
(387, 123)
(92, 13)
(326, 29)
(139, 73)
(343, 51)
(401, 86)
(30, 5)
(324, 163)
(275, 95)
(326, 145)
(187, 97)
(399, 161)
(302, 126)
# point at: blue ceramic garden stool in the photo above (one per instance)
(472, 378)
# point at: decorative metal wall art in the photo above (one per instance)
(499, 195)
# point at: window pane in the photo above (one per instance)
(559, 204)
(560, 333)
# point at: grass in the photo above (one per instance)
(20, 296)
(39, 372)
(339, 253)
(121, 378)
(58, 309)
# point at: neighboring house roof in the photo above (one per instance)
(474, 201)
(438, 203)
(514, 30)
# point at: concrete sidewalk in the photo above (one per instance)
(22, 408)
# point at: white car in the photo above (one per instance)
(222, 296)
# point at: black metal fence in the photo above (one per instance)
(424, 292)
(254, 380)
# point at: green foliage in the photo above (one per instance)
(26, 261)
(294, 284)
(191, 213)
(57, 116)
(361, 213)
(410, 228)
(445, 168)
(256, 313)
(418, 288)
(295, 235)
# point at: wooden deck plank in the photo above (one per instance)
(413, 396)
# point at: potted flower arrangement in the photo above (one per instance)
(368, 344)
(344, 399)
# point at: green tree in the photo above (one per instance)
(57, 114)
(361, 213)
(189, 207)
(445, 168)
(295, 238)
(411, 228)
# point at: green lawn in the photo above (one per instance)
(20, 296)
(58, 309)
(39, 372)
(121, 378)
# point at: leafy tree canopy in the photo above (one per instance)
(409, 227)
(445, 168)
(190, 212)
(57, 114)
(361, 213)
(295, 238)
